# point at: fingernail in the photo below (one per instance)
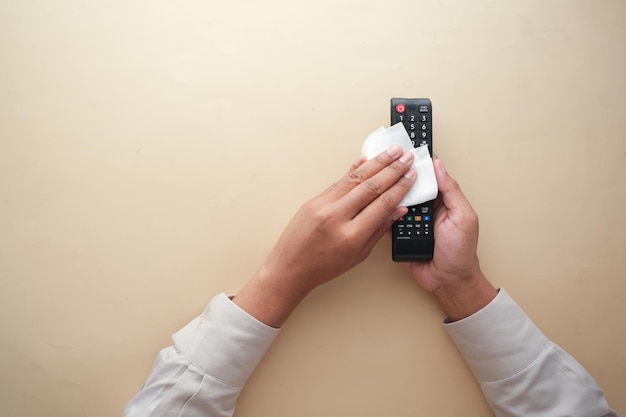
(394, 150)
(410, 174)
(406, 157)
(359, 161)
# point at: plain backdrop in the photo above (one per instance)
(151, 152)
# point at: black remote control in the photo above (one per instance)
(413, 236)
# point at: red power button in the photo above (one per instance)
(400, 108)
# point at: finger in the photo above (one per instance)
(362, 171)
(452, 198)
(375, 214)
(372, 188)
(451, 195)
(359, 161)
(385, 228)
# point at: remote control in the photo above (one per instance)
(413, 236)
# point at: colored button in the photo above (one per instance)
(400, 108)
(426, 218)
(409, 218)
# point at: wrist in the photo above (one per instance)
(270, 297)
(465, 297)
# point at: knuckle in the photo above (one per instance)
(381, 159)
(344, 238)
(455, 185)
(372, 186)
(470, 219)
(387, 201)
(355, 177)
(323, 218)
(398, 166)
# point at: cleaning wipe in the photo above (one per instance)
(425, 186)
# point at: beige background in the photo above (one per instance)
(152, 151)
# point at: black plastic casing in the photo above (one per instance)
(419, 245)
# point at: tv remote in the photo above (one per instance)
(413, 236)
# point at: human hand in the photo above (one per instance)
(453, 276)
(330, 234)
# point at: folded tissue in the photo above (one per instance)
(425, 186)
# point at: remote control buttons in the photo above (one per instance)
(400, 108)
(414, 226)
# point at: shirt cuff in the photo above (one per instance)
(499, 340)
(225, 341)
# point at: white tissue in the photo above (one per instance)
(425, 186)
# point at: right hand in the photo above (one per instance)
(453, 276)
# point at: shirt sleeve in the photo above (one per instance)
(521, 372)
(206, 369)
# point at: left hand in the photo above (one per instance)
(330, 234)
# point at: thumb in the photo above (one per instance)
(451, 195)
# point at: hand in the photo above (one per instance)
(453, 276)
(330, 234)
